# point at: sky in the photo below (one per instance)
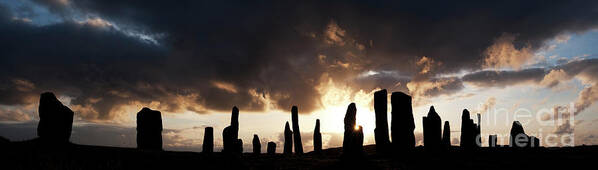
(527, 61)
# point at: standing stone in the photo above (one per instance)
(518, 137)
(234, 122)
(432, 130)
(296, 132)
(208, 140)
(239, 146)
(55, 120)
(230, 134)
(317, 138)
(271, 148)
(353, 136)
(478, 134)
(534, 142)
(257, 146)
(381, 130)
(446, 135)
(492, 141)
(149, 129)
(288, 139)
(402, 124)
(469, 131)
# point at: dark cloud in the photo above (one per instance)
(504, 78)
(268, 51)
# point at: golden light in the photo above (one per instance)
(336, 97)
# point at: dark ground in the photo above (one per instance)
(33, 155)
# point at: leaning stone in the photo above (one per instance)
(55, 120)
(296, 132)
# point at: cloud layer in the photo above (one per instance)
(203, 56)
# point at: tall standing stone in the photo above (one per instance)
(446, 135)
(432, 130)
(288, 139)
(353, 136)
(478, 134)
(381, 130)
(271, 148)
(296, 132)
(402, 124)
(208, 140)
(149, 129)
(55, 120)
(230, 134)
(317, 138)
(257, 146)
(468, 131)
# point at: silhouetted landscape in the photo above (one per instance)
(52, 149)
(309, 84)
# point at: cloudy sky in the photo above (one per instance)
(531, 61)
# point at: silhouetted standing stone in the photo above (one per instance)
(353, 136)
(257, 146)
(208, 140)
(149, 129)
(381, 130)
(402, 124)
(446, 135)
(534, 142)
(432, 130)
(478, 130)
(317, 138)
(469, 132)
(239, 146)
(288, 139)
(271, 148)
(518, 137)
(296, 132)
(55, 120)
(230, 134)
(492, 141)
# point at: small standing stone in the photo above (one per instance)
(317, 138)
(257, 146)
(271, 148)
(208, 140)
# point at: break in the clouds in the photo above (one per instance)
(204, 56)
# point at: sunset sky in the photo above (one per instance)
(194, 60)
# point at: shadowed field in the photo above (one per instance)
(33, 155)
